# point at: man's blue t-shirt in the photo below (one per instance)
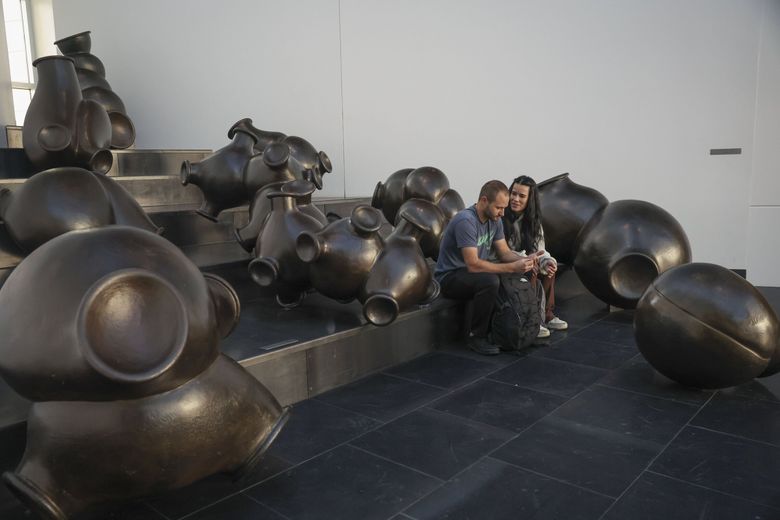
(466, 230)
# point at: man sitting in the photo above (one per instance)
(463, 269)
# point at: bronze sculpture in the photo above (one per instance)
(277, 264)
(128, 359)
(625, 246)
(427, 190)
(389, 196)
(400, 277)
(91, 74)
(566, 207)
(706, 327)
(59, 200)
(220, 176)
(61, 128)
(341, 255)
(616, 248)
(255, 159)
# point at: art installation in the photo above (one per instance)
(400, 276)
(566, 207)
(341, 255)
(277, 264)
(131, 394)
(61, 128)
(625, 246)
(349, 259)
(617, 249)
(91, 75)
(234, 175)
(706, 327)
(428, 191)
(59, 200)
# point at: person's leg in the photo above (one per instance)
(482, 288)
(552, 321)
(537, 282)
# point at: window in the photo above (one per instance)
(17, 33)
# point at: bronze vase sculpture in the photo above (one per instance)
(277, 264)
(706, 327)
(220, 176)
(400, 277)
(290, 157)
(428, 191)
(91, 74)
(61, 128)
(127, 362)
(625, 246)
(435, 223)
(566, 207)
(59, 200)
(389, 196)
(341, 255)
(617, 249)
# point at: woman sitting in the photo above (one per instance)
(524, 234)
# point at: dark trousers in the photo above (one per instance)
(482, 288)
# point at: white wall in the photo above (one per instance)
(763, 248)
(627, 95)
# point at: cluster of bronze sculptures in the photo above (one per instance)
(699, 324)
(74, 118)
(128, 356)
(296, 248)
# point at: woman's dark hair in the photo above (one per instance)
(531, 226)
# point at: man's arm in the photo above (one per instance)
(514, 265)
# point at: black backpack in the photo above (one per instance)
(515, 322)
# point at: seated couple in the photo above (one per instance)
(504, 226)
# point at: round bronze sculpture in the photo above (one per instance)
(59, 200)
(220, 176)
(127, 360)
(566, 207)
(434, 222)
(91, 74)
(288, 158)
(61, 128)
(705, 327)
(341, 255)
(277, 263)
(450, 204)
(624, 247)
(426, 183)
(389, 196)
(400, 276)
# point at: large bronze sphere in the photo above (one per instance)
(705, 327)
(625, 246)
(566, 207)
(389, 196)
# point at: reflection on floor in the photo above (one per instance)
(579, 428)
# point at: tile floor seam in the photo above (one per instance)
(474, 422)
(421, 472)
(661, 452)
(557, 479)
(759, 399)
(649, 395)
(709, 489)
(412, 380)
(253, 499)
(490, 453)
(150, 506)
(611, 343)
(740, 437)
(686, 403)
(513, 385)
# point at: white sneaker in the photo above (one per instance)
(557, 324)
(544, 332)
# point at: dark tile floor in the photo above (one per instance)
(578, 428)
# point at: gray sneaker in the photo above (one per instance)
(483, 346)
(557, 324)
